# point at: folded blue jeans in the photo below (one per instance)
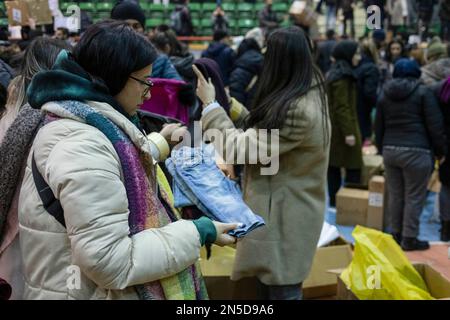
(198, 181)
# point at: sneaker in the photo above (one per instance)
(413, 244)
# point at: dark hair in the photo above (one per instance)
(177, 48)
(160, 41)
(111, 50)
(287, 75)
(219, 35)
(246, 45)
(3, 98)
(330, 34)
(40, 55)
(65, 31)
(388, 50)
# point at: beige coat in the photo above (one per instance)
(292, 202)
(83, 170)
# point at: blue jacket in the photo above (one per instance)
(163, 68)
(224, 56)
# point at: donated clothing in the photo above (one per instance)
(198, 181)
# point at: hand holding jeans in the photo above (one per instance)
(222, 229)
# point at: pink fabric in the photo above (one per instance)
(164, 100)
(11, 265)
(445, 92)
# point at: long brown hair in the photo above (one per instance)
(288, 74)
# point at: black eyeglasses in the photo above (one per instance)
(149, 84)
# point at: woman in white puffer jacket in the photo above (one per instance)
(120, 237)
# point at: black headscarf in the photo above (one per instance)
(343, 53)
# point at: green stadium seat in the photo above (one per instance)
(280, 7)
(233, 23)
(208, 7)
(228, 7)
(65, 5)
(206, 23)
(144, 6)
(246, 23)
(259, 6)
(195, 7)
(156, 7)
(170, 7)
(3, 21)
(246, 15)
(105, 6)
(151, 23)
(207, 32)
(87, 6)
(245, 7)
(196, 22)
(194, 15)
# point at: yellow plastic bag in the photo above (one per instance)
(381, 271)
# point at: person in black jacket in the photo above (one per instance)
(368, 77)
(246, 70)
(221, 52)
(442, 91)
(6, 74)
(410, 133)
(324, 50)
(444, 14)
(268, 19)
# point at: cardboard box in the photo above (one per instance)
(352, 206)
(375, 211)
(39, 10)
(362, 207)
(217, 271)
(372, 165)
(18, 14)
(438, 285)
(303, 13)
(320, 283)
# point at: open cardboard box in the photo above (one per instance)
(217, 270)
(320, 283)
(438, 285)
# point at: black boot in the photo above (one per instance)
(413, 244)
(445, 231)
(397, 237)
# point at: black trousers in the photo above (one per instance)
(335, 181)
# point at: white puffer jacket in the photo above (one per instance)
(83, 170)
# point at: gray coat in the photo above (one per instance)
(292, 201)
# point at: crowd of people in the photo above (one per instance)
(86, 123)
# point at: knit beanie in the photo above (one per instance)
(126, 9)
(379, 35)
(406, 68)
(436, 50)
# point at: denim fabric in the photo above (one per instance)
(198, 181)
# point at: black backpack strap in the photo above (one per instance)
(51, 204)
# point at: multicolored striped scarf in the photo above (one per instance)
(147, 210)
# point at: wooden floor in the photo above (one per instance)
(437, 256)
